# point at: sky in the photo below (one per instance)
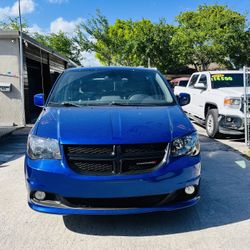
(55, 15)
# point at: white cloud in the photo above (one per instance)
(58, 1)
(89, 59)
(35, 28)
(4, 12)
(63, 25)
(27, 6)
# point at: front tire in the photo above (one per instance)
(212, 123)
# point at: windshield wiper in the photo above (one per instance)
(70, 104)
(65, 104)
(120, 104)
(136, 104)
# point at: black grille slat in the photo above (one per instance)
(85, 158)
(127, 202)
(90, 150)
(114, 159)
(93, 167)
(141, 156)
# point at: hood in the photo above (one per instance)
(113, 125)
(232, 92)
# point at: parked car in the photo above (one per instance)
(181, 81)
(216, 101)
(112, 140)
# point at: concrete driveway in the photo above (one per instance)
(221, 220)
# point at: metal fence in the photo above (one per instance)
(247, 104)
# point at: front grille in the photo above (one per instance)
(101, 167)
(90, 150)
(143, 148)
(114, 159)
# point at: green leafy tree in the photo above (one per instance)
(128, 40)
(93, 36)
(12, 23)
(61, 43)
(137, 42)
(129, 43)
(209, 35)
(240, 53)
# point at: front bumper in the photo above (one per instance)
(53, 176)
(231, 124)
(112, 211)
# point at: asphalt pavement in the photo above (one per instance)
(221, 220)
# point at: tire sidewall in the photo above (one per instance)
(212, 113)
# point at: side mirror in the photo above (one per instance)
(200, 85)
(39, 100)
(184, 99)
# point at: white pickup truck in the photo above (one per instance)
(216, 101)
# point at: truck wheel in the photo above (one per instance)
(212, 123)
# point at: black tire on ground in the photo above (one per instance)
(212, 123)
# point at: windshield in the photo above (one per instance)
(110, 87)
(227, 80)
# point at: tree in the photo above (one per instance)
(129, 39)
(240, 53)
(12, 23)
(129, 43)
(209, 35)
(92, 36)
(61, 43)
(137, 42)
(246, 49)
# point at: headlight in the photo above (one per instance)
(187, 145)
(43, 148)
(232, 102)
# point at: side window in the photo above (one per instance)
(203, 79)
(193, 81)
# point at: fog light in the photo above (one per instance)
(39, 195)
(189, 190)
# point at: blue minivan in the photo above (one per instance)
(112, 140)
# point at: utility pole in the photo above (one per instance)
(149, 63)
(21, 62)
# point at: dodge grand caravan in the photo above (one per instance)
(112, 140)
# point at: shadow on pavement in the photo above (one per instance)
(13, 146)
(3, 165)
(225, 199)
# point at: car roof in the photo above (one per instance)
(113, 68)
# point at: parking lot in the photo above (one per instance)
(221, 220)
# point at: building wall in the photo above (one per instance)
(10, 102)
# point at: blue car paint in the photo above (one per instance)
(112, 125)
(39, 100)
